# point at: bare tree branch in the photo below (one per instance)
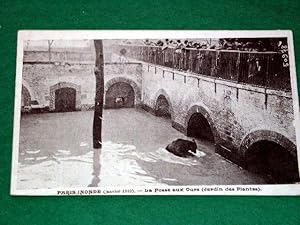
(50, 42)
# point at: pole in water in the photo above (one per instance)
(99, 75)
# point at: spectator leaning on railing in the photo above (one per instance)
(237, 59)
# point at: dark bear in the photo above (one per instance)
(181, 147)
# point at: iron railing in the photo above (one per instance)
(265, 69)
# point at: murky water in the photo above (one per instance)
(56, 151)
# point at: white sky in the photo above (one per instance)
(43, 44)
(87, 44)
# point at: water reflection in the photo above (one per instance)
(56, 151)
(120, 167)
(96, 168)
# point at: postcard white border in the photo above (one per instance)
(274, 190)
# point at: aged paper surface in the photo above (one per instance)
(185, 113)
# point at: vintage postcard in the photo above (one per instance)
(155, 113)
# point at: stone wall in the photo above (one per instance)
(238, 114)
(42, 78)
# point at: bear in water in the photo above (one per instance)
(181, 147)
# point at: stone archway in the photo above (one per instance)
(267, 135)
(199, 123)
(270, 154)
(163, 106)
(124, 82)
(65, 99)
(119, 95)
(55, 90)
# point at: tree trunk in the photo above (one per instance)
(99, 74)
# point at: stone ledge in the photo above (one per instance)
(228, 83)
(230, 154)
(147, 108)
(179, 127)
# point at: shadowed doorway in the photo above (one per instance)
(199, 127)
(272, 161)
(162, 107)
(119, 95)
(65, 99)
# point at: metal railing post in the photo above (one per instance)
(239, 66)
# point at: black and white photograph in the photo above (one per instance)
(155, 113)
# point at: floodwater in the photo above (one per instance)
(56, 151)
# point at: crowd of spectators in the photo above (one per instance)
(248, 60)
(240, 44)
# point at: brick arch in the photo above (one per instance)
(205, 112)
(164, 93)
(267, 135)
(136, 89)
(59, 85)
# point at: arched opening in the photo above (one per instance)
(119, 95)
(199, 127)
(272, 161)
(162, 107)
(65, 99)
